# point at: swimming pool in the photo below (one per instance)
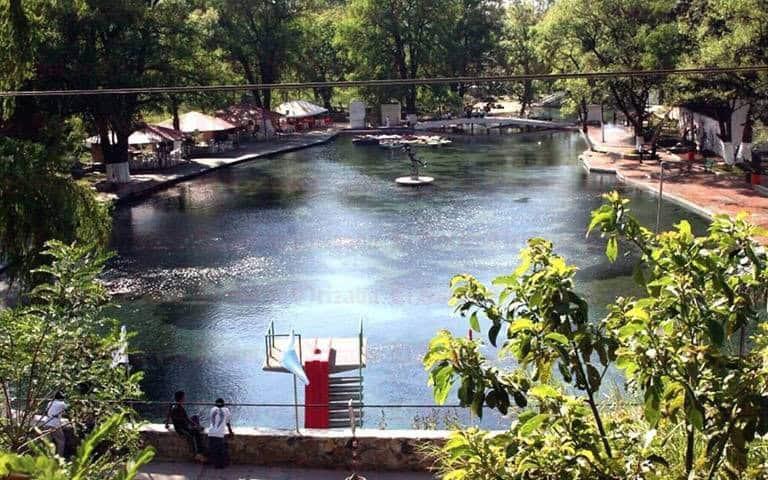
(321, 238)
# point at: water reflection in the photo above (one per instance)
(320, 238)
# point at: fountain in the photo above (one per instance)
(414, 179)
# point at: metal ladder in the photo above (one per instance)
(342, 391)
(345, 395)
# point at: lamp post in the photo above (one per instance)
(661, 194)
(602, 123)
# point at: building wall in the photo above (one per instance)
(393, 111)
(357, 114)
(707, 129)
(378, 450)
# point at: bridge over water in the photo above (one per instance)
(489, 122)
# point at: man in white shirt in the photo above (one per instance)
(221, 422)
(53, 414)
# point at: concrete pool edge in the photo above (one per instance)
(142, 186)
(379, 450)
(680, 201)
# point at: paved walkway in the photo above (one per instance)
(145, 183)
(705, 193)
(190, 471)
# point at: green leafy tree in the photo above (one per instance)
(721, 34)
(319, 57)
(682, 348)
(521, 45)
(193, 59)
(475, 40)
(609, 35)
(112, 44)
(396, 39)
(257, 37)
(61, 340)
(39, 201)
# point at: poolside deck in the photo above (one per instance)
(143, 184)
(705, 193)
(346, 353)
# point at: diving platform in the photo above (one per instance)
(345, 353)
(330, 400)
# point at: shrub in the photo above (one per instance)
(683, 349)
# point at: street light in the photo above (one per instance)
(661, 194)
(602, 123)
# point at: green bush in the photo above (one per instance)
(685, 350)
(62, 341)
(87, 464)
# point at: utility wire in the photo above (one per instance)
(386, 82)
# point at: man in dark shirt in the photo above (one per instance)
(184, 425)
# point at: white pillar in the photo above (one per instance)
(745, 153)
(728, 153)
(357, 114)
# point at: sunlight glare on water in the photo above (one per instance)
(317, 239)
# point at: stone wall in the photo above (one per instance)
(400, 450)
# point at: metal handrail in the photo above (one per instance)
(271, 405)
(269, 342)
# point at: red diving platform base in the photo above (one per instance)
(316, 394)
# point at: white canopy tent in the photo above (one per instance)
(191, 122)
(300, 109)
(145, 135)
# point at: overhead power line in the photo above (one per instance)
(387, 82)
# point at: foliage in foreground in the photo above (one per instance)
(62, 341)
(87, 464)
(693, 349)
(40, 201)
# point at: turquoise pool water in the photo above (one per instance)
(321, 238)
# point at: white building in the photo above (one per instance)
(707, 132)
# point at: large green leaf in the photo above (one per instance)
(532, 424)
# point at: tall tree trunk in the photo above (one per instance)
(251, 78)
(268, 75)
(527, 97)
(175, 112)
(116, 152)
(413, 90)
(725, 117)
(745, 148)
(410, 100)
(267, 99)
(326, 94)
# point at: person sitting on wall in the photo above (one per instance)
(187, 427)
(221, 418)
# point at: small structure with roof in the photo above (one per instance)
(251, 120)
(209, 134)
(150, 147)
(302, 114)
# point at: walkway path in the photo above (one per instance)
(488, 122)
(706, 193)
(142, 184)
(191, 471)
